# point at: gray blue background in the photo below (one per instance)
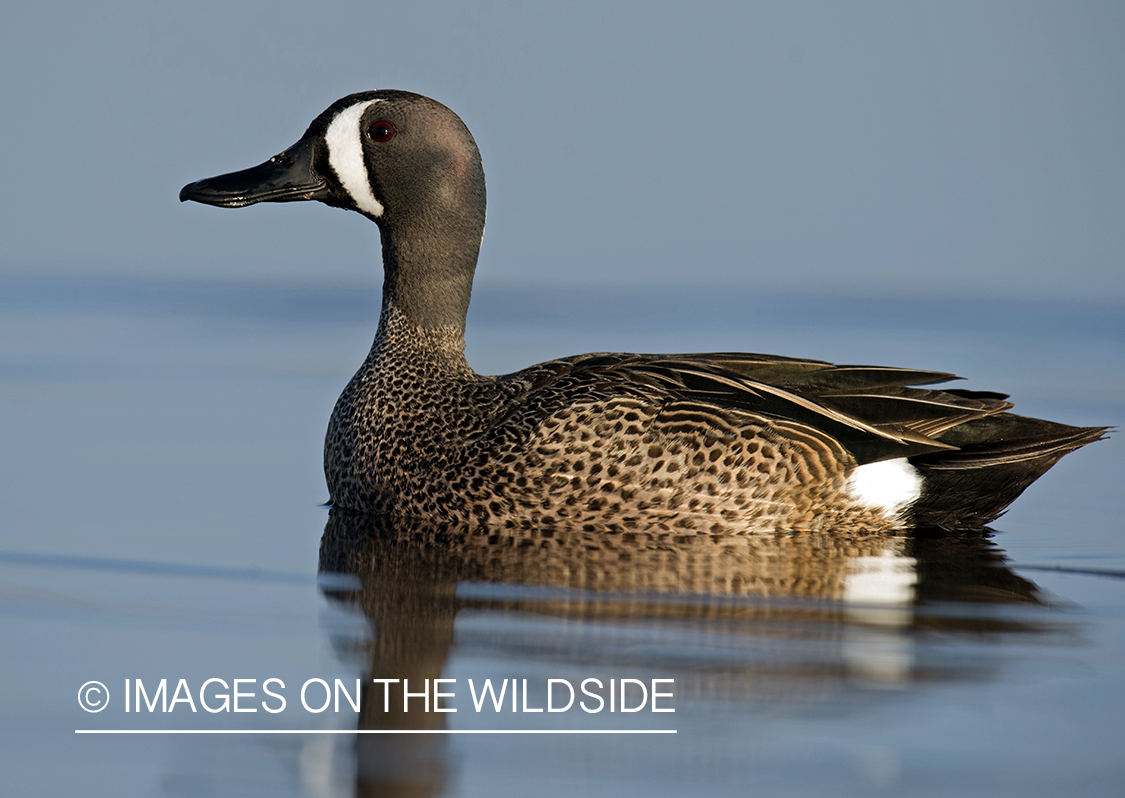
(937, 149)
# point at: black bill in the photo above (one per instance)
(286, 177)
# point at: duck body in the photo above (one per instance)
(718, 443)
(596, 442)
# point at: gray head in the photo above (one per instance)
(406, 162)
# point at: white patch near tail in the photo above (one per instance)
(345, 155)
(889, 485)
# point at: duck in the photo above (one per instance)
(692, 444)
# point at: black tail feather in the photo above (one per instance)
(997, 458)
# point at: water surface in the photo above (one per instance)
(162, 474)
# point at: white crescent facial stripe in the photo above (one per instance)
(345, 155)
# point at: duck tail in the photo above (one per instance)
(996, 459)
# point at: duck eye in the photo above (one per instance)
(381, 131)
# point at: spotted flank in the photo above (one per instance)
(695, 444)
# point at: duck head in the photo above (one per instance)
(404, 161)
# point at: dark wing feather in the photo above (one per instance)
(867, 409)
(976, 457)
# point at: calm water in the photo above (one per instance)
(162, 448)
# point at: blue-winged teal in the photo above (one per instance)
(705, 443)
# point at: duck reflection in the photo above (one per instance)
(767, 618)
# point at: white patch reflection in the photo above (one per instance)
(880, 591)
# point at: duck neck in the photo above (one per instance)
(426, 290)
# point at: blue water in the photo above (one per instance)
(162, 475)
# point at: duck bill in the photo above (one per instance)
(286, 177)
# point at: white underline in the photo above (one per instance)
(375, 731)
